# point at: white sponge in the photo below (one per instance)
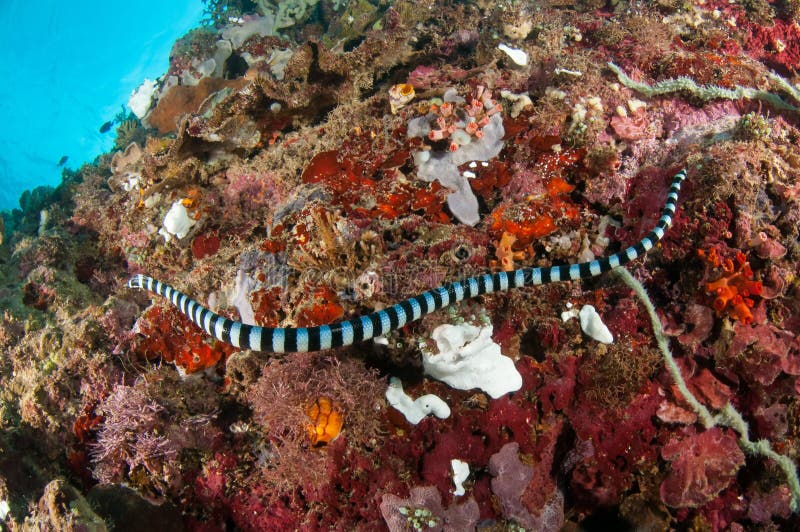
(591, 323)
(469, 358)
(177, 222)
(460, 474)
(142, 98)
(415, 410)
(593, 326)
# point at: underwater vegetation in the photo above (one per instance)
(307, 163)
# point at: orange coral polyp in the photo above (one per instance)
(742, 313)
(327, 421)
(734, 289)
(405, 89)
(506, 254)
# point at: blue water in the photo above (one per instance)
(65, 69)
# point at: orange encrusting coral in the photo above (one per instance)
(732, 291)
(172, 337)
(266, 302)
(536, 218)
(321, 307)
(353, 184)
(490, 178)
(205, 245)
(327, 420)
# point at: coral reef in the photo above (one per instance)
(316, 161)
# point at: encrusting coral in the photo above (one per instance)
(318, 162)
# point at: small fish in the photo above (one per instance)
(105, 128)
(63, 160)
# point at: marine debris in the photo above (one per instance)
(421, 173)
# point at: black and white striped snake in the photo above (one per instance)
(302, 339)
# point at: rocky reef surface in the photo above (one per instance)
(306, 162)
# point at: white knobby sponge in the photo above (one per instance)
(469, 358)
(142, 97)
(593, 326)
(177, 222)
(415, 410)
(460, 474)
(591, 323)
(519, 57)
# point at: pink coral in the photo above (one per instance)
(558, 393)
(146, 426)
(281, 399)
(635, 126)
(428, 77)
(767, 247)
(761, 352)
(709, 390)
(249, 190)
(702, 466)
(777, 44)
(698, 322)
(771, 421)
(764, 506)
(703, 385)
(687, 124)
(669, 412)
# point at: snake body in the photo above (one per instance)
(381, 322)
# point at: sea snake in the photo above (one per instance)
(303, 339)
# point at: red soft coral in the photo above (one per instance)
(702, 466)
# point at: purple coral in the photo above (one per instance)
(423, 510)
(511, 480)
